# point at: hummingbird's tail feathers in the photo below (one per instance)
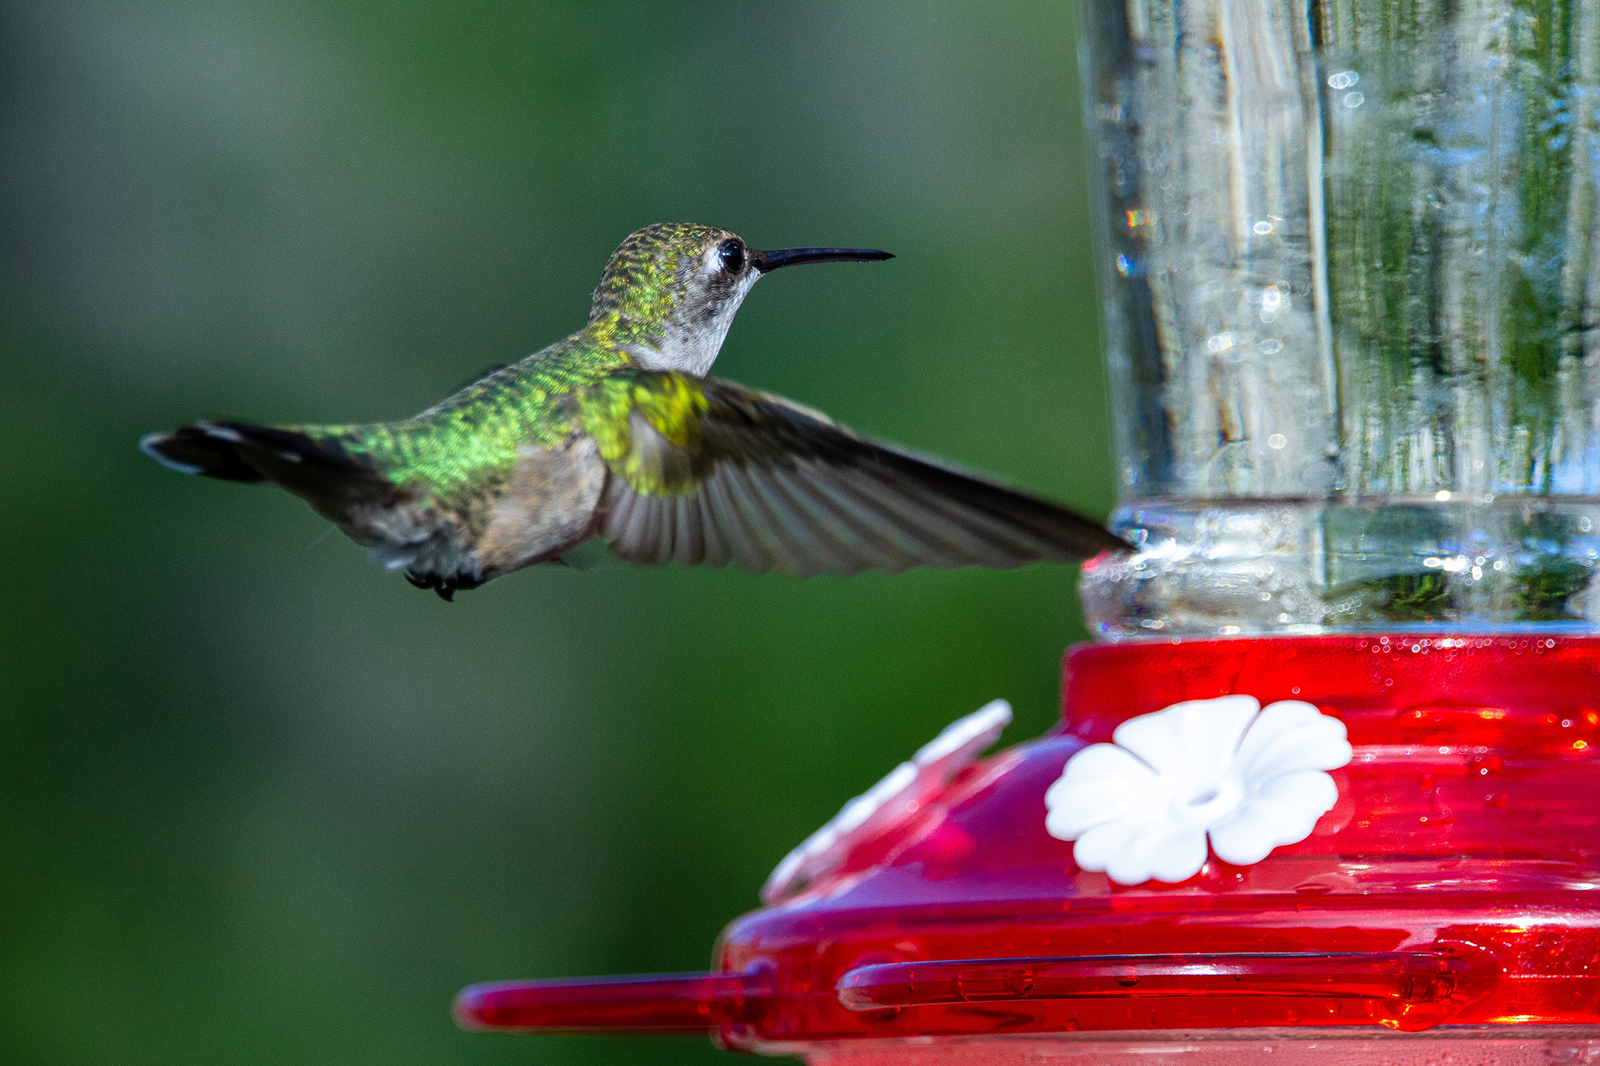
(312, 464)
(771, 485)
(401, 532)
(191, 450)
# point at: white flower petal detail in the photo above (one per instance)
(964, 739)
(1283, 811)
(1291, 735)
(1077, 799)
(1142, 808)
(1132, 851)
(1196, 731)
(1180, 851)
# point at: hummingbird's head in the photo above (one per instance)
(670, 291)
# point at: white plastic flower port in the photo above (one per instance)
(1141, 808)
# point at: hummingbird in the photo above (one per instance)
(616, 432)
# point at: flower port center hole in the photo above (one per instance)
(1207, 799)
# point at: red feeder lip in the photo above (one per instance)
(669, 1002)
(1454, 878)
(698, 1002)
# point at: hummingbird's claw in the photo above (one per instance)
(445, 587)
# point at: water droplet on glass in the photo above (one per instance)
(1485, 765)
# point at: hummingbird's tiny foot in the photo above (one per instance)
(445, 586)
(445, 589)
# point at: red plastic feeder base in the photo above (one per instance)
(1223, 882)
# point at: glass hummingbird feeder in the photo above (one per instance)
(1328, 781)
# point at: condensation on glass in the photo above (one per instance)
(1351, 273)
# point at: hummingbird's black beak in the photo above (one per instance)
(767, 262)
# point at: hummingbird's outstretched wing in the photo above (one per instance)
(707, 471)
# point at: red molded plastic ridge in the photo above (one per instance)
(1456, 880)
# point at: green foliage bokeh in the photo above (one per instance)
(261, 802)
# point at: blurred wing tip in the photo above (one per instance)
(1113, 543)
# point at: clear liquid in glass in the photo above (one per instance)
(1351, 266)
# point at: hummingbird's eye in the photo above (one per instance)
(732, 255)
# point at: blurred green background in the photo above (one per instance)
(261, 802)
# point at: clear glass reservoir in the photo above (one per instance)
(1351, 268)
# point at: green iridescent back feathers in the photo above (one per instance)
(464, 447)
